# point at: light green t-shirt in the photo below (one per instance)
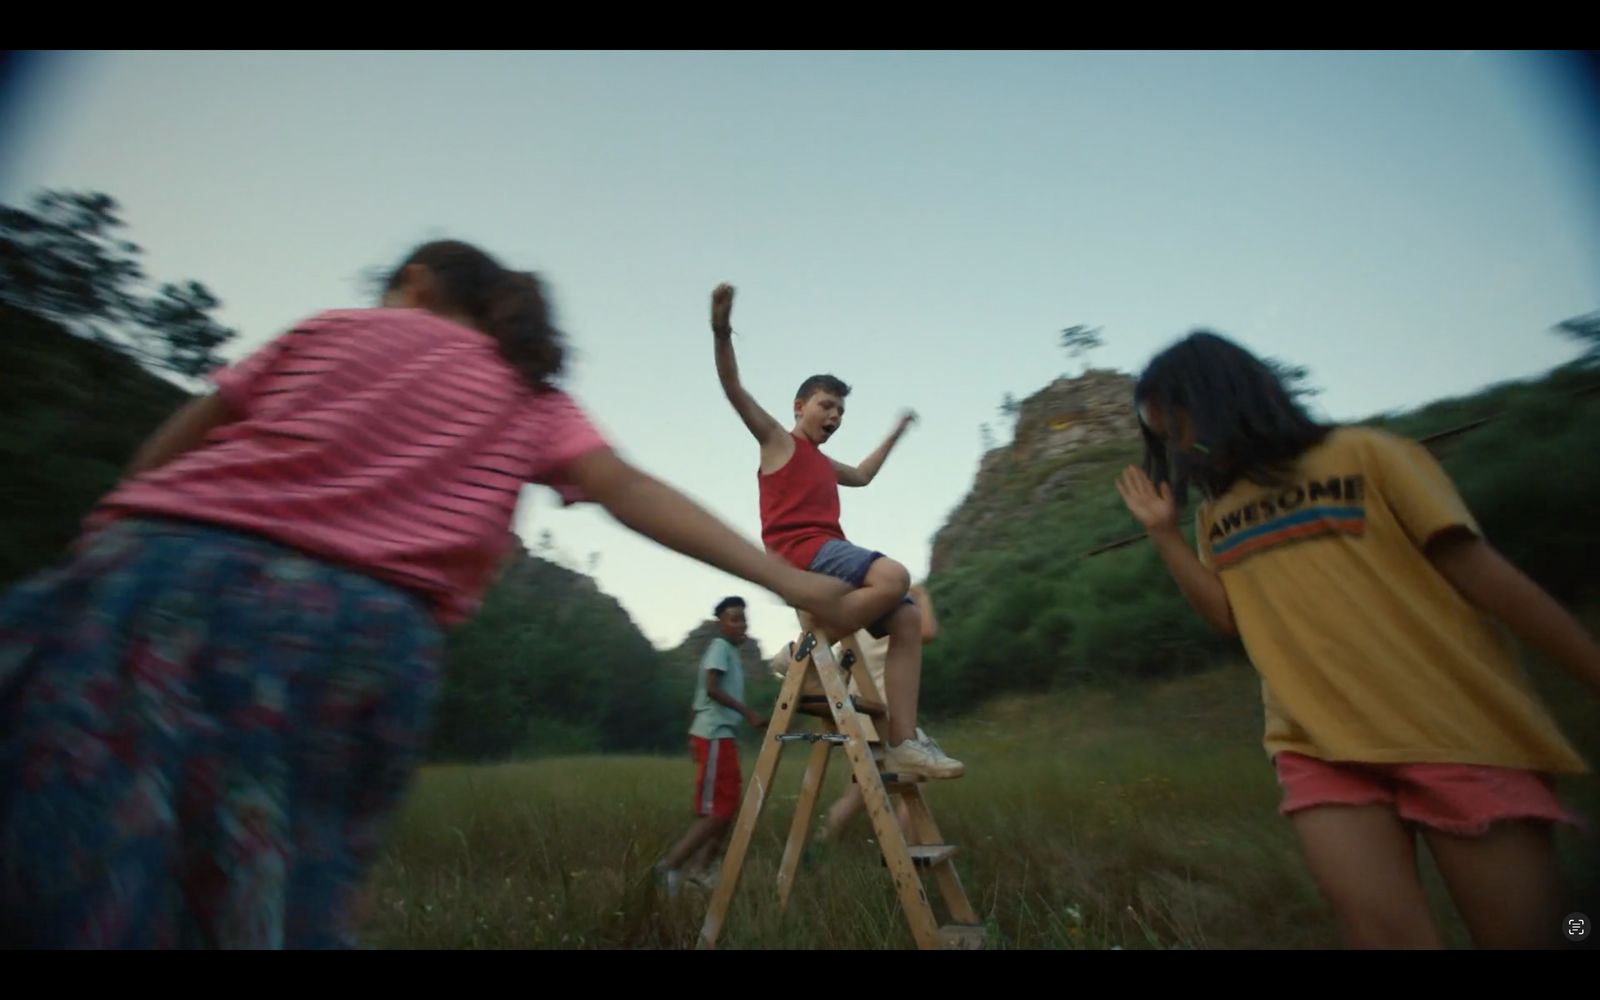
(712, 719)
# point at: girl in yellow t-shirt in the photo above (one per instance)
(1365, 595)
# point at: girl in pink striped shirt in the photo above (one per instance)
(208, 713)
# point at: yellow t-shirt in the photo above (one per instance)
(1366, 652)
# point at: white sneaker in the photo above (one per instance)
(671, 880)
(922, 757)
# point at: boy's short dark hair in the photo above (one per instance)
(726, 603)
(821, 383)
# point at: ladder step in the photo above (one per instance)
(928, 855)
(893, 781)
(962, 937)
(932, 854)
(838, 738)
(817, 704)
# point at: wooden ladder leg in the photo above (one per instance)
(755, 798)
(945, 875)
(966, 931)
(800, 828)
(907, 882)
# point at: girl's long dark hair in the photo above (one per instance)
(1246, 424)
(509, 306)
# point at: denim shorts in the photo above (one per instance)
(849, 562)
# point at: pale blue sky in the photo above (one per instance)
(1408, 225)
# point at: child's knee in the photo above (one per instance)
(905, 624)
(890, 575)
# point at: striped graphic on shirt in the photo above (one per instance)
(1317, 507)
(1290, 528)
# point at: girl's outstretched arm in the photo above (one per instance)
(1490, 582)
(657, 511)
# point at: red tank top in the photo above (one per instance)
(800, 504)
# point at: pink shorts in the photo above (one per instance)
(1462, 799)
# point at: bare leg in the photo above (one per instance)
(1506, 883)
(885, 586)
(705, 831)
(902, 672)
(1364, 860)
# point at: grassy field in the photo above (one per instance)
(1143, 818)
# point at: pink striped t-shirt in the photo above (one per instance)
(391, 441)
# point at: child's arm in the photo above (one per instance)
(1435, 517)
(762, 427)
(715, 693)
(867, 471)
(657, 511)
(1494, 586)
(183, 432)
(1157, 511)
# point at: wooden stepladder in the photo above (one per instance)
(817, 685)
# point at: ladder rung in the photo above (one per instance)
(817, 704)
(932, 854)
(928, 855)
(962, 937)
(839, 738)
(892, 780)
(896, 778)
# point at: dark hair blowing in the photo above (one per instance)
(1246, 425)
(509, 306)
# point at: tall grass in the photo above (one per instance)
(1136, 818)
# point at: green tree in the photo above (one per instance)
(66, 260)
(1078, 341)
